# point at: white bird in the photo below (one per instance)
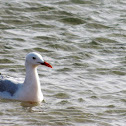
(30, 90)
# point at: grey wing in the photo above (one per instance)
(9, 86)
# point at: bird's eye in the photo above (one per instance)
(33, 58)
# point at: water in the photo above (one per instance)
(84, 41)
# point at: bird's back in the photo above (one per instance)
(8, 86)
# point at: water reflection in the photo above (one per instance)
(29, 105)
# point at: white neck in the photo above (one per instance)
(32, 78)
(31, 86)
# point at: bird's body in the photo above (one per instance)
(30, 90)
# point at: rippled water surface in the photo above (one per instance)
(85, 41)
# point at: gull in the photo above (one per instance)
(30, 90)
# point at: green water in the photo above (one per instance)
(85, 42)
